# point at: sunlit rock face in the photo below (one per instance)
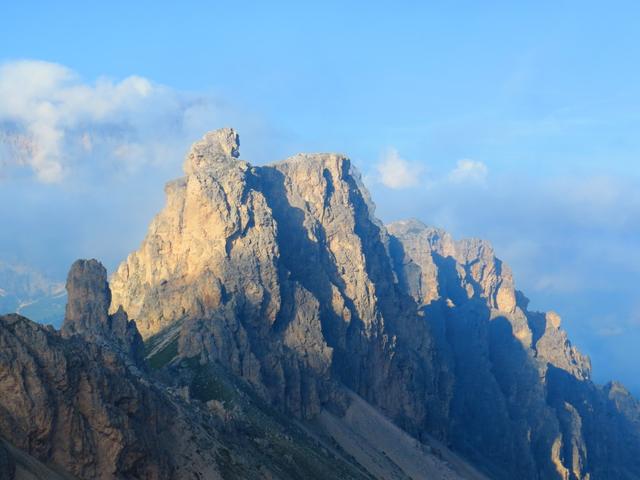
(282, 274)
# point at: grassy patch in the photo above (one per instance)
(164, 356)
(205, 384)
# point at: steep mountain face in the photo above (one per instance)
(81, 404)
(281, 275)
(523, 403)
(58, 405)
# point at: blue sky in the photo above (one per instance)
(512, 121)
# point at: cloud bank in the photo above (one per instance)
(469, 171)
(395, 172)
(55, 124)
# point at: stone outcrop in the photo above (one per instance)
(435, 269)
(435, 266)
(87, 312)
(76, 402)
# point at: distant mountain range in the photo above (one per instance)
(280, 331)
(26, 291)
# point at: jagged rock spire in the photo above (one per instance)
(87, 313)
(89, 298)
(215, 146)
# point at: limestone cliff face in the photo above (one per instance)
(77, 405)
(79, 402)
(436, 269)
(282, 275)
(432, 258)
(514, 369)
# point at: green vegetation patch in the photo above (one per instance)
(206, 385)
(164, 356)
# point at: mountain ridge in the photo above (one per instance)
(284, 324)
(313, 290)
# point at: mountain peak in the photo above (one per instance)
(215, 146)
(281, 274)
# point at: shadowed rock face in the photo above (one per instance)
(7, 464)
(76, 399)
(77, 405)
(88, 299)
(87, 313)
(522, 391)
(435, 269)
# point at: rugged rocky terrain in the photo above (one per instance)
(289, 334)
(523, 403)
(281, 274)
(84, 403)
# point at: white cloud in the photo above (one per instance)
(558, 281)
(53, 122)
(469, 171)
(613, 331)
(396, 172)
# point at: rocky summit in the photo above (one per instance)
(270, 326)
